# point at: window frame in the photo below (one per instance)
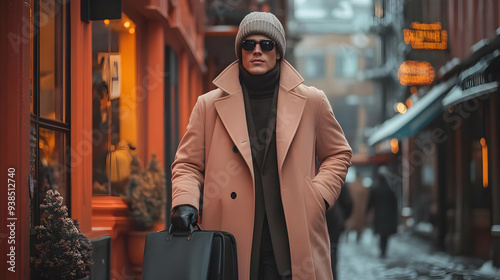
(39, 122)
(345, 57)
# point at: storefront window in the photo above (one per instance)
(346, 64)
(52, 171)
(52, 54)
(114, 104)
(49, 95)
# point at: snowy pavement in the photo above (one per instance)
(408, 257)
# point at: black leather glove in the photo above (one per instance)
(183, 216)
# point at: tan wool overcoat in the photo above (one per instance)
(215, 153)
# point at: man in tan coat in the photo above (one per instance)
(251, 146)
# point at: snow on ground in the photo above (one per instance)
(408, 257)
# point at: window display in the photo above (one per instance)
(114, 104)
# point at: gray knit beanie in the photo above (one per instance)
(262, 23)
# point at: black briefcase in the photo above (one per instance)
(194, 255)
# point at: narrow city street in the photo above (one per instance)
(123, 117)
(408, 257)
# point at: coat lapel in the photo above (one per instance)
(290, 108)
(231, 110)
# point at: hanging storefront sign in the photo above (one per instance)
(101, 9)
(411, 73)
(477, 81)
(426, 36)
(481, 73)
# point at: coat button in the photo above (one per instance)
(235, 149)
(233, 195)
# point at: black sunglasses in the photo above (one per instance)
(265, 45)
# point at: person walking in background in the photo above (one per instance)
(358, 218)
(335, 219)
(252, 145)
(384, 203)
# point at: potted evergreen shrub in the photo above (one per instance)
(146, 193)
(60, 250)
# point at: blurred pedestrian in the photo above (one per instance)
(384, 203)
(358, 218)
(252, 144)
(335, 219)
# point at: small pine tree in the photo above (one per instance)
(157, 179)
(146, 190)
(57, 254)
(86, 251)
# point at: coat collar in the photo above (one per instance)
(229, 81)
(231, 110)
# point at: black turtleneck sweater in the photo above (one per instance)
(260, 89)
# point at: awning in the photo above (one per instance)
(416, 117)
(457, 95)
(476, 81)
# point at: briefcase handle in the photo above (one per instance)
(189, 233)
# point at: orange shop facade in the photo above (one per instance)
(76, 88)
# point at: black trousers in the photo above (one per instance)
(333, 255)
(383, 244)
(267, 263)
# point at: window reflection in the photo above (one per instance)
(52, 173)
(52, 34)
(114, 104)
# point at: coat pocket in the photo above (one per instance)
(315, 192)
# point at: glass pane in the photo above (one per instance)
(315, 66)
(347, 63)
(52, 164)
(52, 53)
(114, 104)
(378, 8)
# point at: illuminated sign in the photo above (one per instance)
(412, 73)
(426, 36)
